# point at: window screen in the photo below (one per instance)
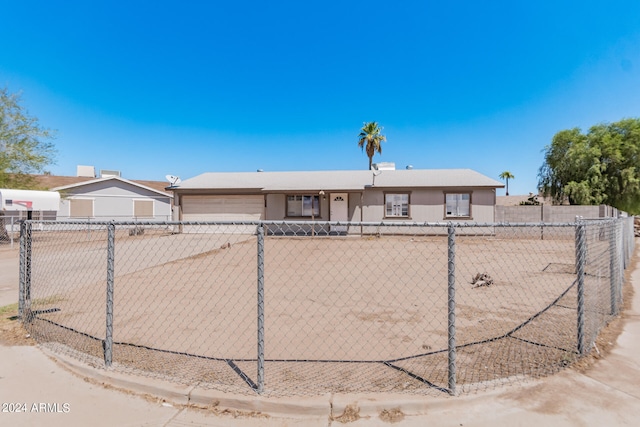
(143, 208)
(459, 205)
(81, 208)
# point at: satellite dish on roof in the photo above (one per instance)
(173, 180)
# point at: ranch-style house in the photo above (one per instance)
(411, 195)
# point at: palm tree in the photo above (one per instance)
(371, 140)
(506, 175)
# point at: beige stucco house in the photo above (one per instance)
(458, 195)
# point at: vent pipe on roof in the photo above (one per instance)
(260, 170)
(409, 167)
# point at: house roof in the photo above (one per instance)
(89, 181)
(53, 182)
(338, 180)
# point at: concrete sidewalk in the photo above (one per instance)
(57, 391)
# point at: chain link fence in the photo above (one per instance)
(307, 308)
(9, 228)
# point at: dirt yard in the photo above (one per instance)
(346, 314)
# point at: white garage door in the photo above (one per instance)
(222, 208)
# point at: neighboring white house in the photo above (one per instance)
(460, 195)
(113, 198)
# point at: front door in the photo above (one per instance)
(339, 210)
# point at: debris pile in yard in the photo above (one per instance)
(481, 279)
(636, 226)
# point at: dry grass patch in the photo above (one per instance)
(11, 330)
(394, 415)
(351, 413)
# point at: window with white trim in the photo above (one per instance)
(301, 205)
(458, 205)
(396, 205)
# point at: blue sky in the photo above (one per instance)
(182, 88)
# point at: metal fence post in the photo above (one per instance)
(580, 264)
(260, 358)
(621, 246)
(631, 238)
(628, 235)
(108, 341)
(22, 271)
(12, 230)
(26, 272)
(452, 307)
(613, 267)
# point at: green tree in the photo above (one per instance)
(25, 146)
(601, 166)
(370, 140)
(506, 175)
